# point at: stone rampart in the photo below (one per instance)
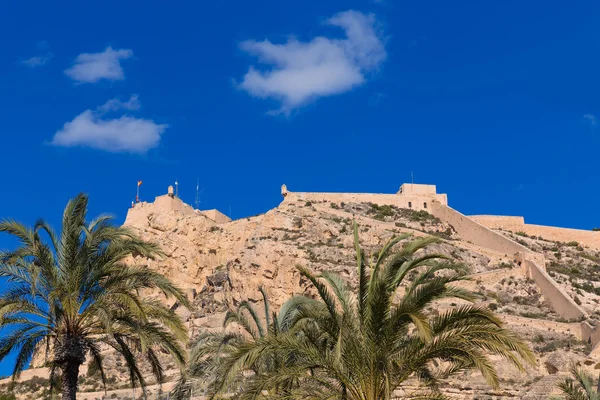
(417, 201)
(560, 301)
(139, 212)
(533, 264)
(517, 224)
(476, 233)
(591, 334)
(216, 216)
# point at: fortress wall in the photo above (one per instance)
(216, 216)
(168, 203)
(476, 233)
(499, 221)
(517, 224)
(560, 301)
(411, 188)
(591, 334)
(418, 201)
(140, 211)
(587, 238)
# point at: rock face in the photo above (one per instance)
(221, 264)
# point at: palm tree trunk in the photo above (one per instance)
(70, 355)
(70, 374)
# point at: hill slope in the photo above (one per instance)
(220, 264)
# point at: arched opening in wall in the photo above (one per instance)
(424, 205)
(409, 204)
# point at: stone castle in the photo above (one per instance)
(540, 280)
(479, 230)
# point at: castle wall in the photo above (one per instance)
(140, 211)
(216, 216)
(533, 264)
(560, 301)
(517, 224)
(413, 201)
(476, 233)
(499, 221)
(411, 188)
(168, 203)
(591, 334)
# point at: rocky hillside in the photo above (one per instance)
(221, 264)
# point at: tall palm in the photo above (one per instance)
(241, 326)
(74, 294)
(579, 387)
(367, 346)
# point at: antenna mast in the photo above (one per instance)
(198, 191)
(197, 201)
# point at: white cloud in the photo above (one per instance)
(116, 104)
(591, 118)
(92, 128)
(303, 71)
(92, 67)
(40, 59)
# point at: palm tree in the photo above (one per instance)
(74, 294)
(367, 346)
(579, 387)
(241, 326)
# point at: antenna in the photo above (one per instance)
(198, 191)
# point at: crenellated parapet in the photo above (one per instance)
(169, 203)
(414, 196)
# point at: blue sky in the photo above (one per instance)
(495, 102)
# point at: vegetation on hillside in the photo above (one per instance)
(580, 386)
(242, 327)
(368, 344)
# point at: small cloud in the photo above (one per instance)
(300, 72)
(591, 119)
(40, 59)
(93, 67)
(126, 133)
(116, 104)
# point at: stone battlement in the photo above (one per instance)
(170, 203)
(517, 224)
(414, 196)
